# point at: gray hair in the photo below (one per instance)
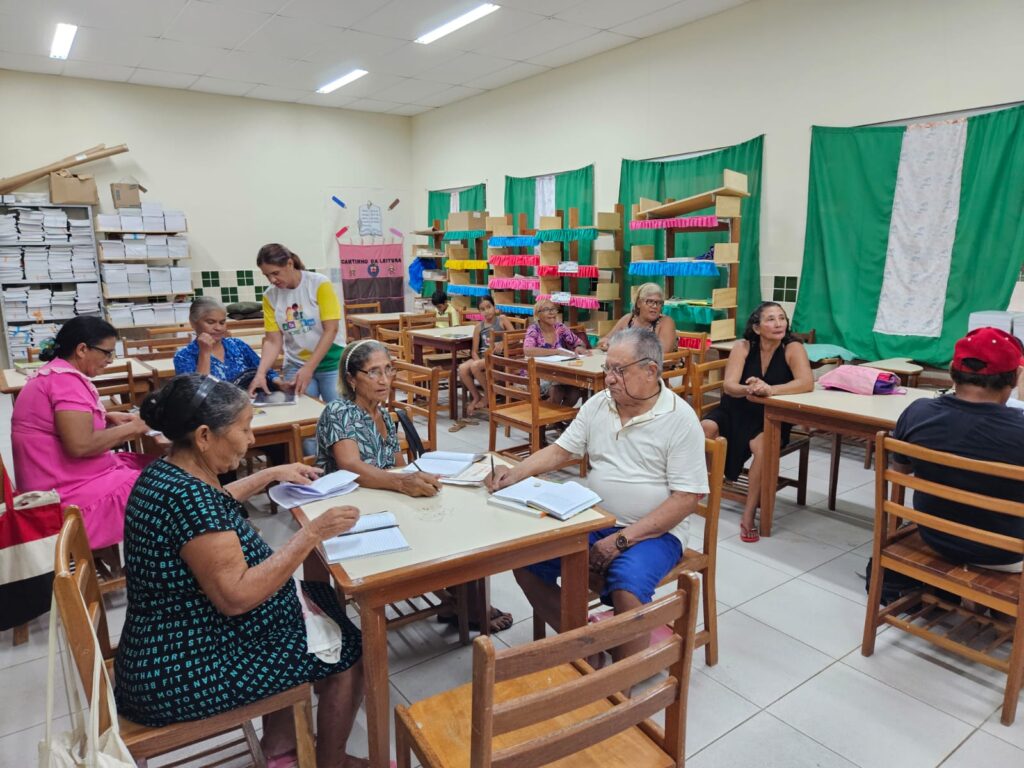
(643, 292)
(190, 401)
(353, 359)
(644, 341)
(202, 306)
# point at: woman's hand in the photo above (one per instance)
(300, 473)
(603, 345)
(334, 521)
(418, 484)
(206, 342)
(582, 351)
(757, 387)
(302, 379)
(259, 381)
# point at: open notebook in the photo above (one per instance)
(444, 463)
(371, 535)
(333, 484)
(535, 496)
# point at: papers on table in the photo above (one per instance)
(535, 496)
(444, 463)
(475, 474)
(265, 399)
(326, 487)
(371, 535)
(560, 358)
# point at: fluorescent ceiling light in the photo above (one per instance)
(62, 40)
(467, 18)
(334, 85)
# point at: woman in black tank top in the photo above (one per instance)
(766, 361)
(647, 314)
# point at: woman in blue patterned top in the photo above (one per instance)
(214, 619)
(212, 352)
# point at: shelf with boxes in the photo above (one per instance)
(514, 281)
(48, 270)
(464, 241)
(719, 210)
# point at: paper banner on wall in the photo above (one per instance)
(373, 273)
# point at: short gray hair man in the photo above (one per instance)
(645, 344)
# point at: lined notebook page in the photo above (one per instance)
(365, 544)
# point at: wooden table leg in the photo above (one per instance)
(575, 574)
(769, 473)
(417, 352)
(375, 669)
(453, 387)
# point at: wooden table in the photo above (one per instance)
(842, 413)
(585, 372)
(489, 540)
(272, 425)
(371, 321)
(451, 340)
(162, 368)
(12, 381)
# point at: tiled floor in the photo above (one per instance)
(791, 689)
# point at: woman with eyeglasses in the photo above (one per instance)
(63, 438)
(546, 336)
(647, 314)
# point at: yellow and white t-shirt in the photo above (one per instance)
(298, 314)
(451, 313)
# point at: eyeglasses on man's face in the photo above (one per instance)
(376, 374)
(617, 370)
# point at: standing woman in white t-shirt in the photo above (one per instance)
(301, 312)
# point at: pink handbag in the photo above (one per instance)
(862, 380)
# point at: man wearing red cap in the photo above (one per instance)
(973, 422)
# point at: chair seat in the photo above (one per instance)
(442, 725)
(912, 552)
(520, 413)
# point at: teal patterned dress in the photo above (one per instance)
(179, 658)
(344, 420)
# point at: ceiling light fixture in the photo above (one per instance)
(62, 40)
(334, 85)
(467, 18)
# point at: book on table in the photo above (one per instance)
(264, 399)
(535, 496)
(444, 463)
(333, 484)
(374, 534)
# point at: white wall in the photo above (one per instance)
(246, 172)
(771, 66)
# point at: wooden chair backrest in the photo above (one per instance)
(247, 332)
(79, 603)
(394, 341)
(705, 378)
(890, 490)
(408, 322)
(493, 718)
(362, 307)
(420, 387)
(675, 374)
(235, 325)
(119, 392)
(710, 506)
(581, 330)
(172, 331)
(700, 342)
(301, 433)
(806, 338)
(519, 322)
(153, 349)
(31, 354)
(509, 382)
(511, 342)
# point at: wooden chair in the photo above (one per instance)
(396, 343)
(31, 353)
(696, 342)
(540, 703)
(80, 603)
(170, 331)
(418, 385)
(929, 612)
(519, 322)
(353, 332)
(409, 321)
(513, 398)
(675, 372)
(117, 394)
(511, 341)
(153, 349)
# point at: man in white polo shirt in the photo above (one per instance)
(646, 450)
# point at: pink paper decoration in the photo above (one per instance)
(514, 283)
(551, 270)
(580, 302)
(678, 222)
(514, 260)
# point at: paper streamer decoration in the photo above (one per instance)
(478, 316)
(515, 241)
(514, 260)
(394, 204)
(338, 201)
(685, 222)
(464, 264)
(566, 235)
(396, 232)
(341, 232)
(553, 270)
(514, 309)
(514, 283)
(468, 290)
(674, 268)
(580, 302)
(464, 234)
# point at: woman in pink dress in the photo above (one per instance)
(62, 437)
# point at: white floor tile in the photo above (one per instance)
(23, 697)
(35, 648)
(765, 669)
(767, 742)
(844, 576)
(1014, 733)
(868, 722)
(712, 710)
(822, 525)
(357, 741)
(943, 680)
(435, 675)
(821, 619)
(981, 749)
(19, 750)
(740, 578)
(784, 550)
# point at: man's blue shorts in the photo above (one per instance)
(637, 570)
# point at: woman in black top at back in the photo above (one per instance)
(766, 361)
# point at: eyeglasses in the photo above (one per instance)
(376, 374)
(654, 302)
(109, 353)
(618, 369)
(551, 311)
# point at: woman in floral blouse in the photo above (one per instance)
(548, 336)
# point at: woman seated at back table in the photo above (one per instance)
(647, 314)
(212, 352)
(63, 438)
(546, 336)
(766, 361)
(196, 569)
(356, 433)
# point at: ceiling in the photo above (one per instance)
(283, 50)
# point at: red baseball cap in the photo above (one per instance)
(998, 350)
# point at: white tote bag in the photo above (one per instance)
(83, 746)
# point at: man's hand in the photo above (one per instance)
(602, 554)
(500, 478)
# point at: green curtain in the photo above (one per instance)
(439, 205)
(473, 198)
(520, 197)
(851, 189)
(575, 189)
(682, 178)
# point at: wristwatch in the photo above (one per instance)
(621, 542)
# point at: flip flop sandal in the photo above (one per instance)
(749, 535)
(460, 424)
(288, 759)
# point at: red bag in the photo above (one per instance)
(29, 524)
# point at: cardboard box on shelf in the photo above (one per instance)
(126, 194)
(70, 188)
(609, 291)
(607, 259)
(550, 222)
(641, 253)
(462, 221)
(609, 220)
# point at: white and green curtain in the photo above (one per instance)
(538, 196)
(909, 230)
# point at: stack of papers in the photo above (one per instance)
(328, 486)
(371, 535)
(62, 305)
(112, 250)
(177, 247)
(19, 339)
(444, 463)
(55, 226)
(534, 496)
(41, 332)
(60, 263)
(87, 299)
(559, 358)
(181, 310)
(120, 314)
(39, 303)
(81, 234)
(8, 228)
(37, 265)
(10, 264)
(108, 221)
(16, 306)
(30, 225)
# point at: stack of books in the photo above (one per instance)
(87, 299)
(37, 263)
(55, 226)
(16, 305)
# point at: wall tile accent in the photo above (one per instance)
(231, 285)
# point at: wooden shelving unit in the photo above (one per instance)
(465, 249)
(513, 280)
